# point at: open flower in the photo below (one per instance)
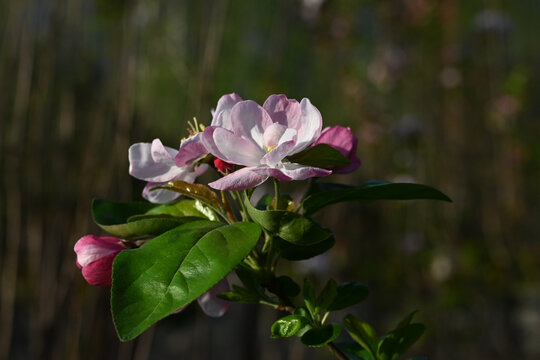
(342, 139)
(95, 255)
(156, 164)
(261, 138)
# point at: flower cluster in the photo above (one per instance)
(166, 253)
(256, 140)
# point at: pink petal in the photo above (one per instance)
(302, 172)
(211, 304)
(162, 154)
(249, 120)
(143, 165)
(283, 110)
(310, 126)
(272, 134)
(278, 153)
(244, 178)
(99, 273)
(221, 116)
(90, 248)
(191, 150)
(230, 147)
(158, 196)
(342, 139)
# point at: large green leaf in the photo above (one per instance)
(323, 194)
(289, 226)
(127, 220)
(321, 155)
(174, 269)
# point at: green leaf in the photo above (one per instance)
(348, 294)
(288, 326)
(174, 269)
(362, 333)
(327, 295)
(397, 342)
(354, 351)
(317, 337)
(112, 212)
(288, 286)
(185, 208)
(194, 191)
(293, 252)
(289, 226)
(323, 194)
(407, 320)
(310, 298)
(322, 155)
(127, 220)
(240, 294)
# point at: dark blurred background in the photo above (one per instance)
(445, 93)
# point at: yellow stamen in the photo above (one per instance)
(269, 148)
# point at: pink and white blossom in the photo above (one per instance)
(261, 137)
(95, 255)
(155, 163)
(342, 139)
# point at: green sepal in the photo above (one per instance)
(321, 336)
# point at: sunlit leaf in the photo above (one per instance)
(194, 191)
(172, 270)
(288, 326)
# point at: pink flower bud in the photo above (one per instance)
(223, 166)
(95, 255)
(342, 139)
